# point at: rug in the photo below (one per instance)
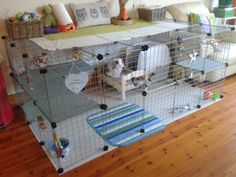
(120, 125)
(102, 29)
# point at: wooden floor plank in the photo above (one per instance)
(200, 145)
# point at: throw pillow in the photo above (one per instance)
(208, 21)
(201, 19)
(181, 11)
(91, 14)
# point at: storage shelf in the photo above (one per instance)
(202, 64)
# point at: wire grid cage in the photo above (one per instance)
(82, 102)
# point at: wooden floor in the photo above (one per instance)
(200, 145)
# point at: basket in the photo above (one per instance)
(25, 29)
(153, 13)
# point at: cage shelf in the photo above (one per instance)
(201, 64)
(60, 109)
(59, 112)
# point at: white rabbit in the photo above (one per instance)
(114, 68)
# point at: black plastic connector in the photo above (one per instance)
(226, 65)
(202, 72)
(209, 34)
(100, 57)
(199, 106)
(43, 71)
(142, 130)
(34, 102)
(60, 170)
(145, 48)
(144, 93)
(179, 40)
(25, 55)
(105, 148)
(13, 45)
(4, 37)
(103, 107)
(54, 125)
(41, 143)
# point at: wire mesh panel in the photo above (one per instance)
(57, 113)
(84, 101)
(212, 60)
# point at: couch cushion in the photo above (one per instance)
(91, 14)
(231, 70)
(182, 11)
(232, 54)
(168, 15)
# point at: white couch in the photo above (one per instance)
(232, 56)
(182, 11)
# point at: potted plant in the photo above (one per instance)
(123, 18)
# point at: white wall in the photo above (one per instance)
(11, 7)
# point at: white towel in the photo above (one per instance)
(156, 57)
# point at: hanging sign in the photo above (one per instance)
(76, 82)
